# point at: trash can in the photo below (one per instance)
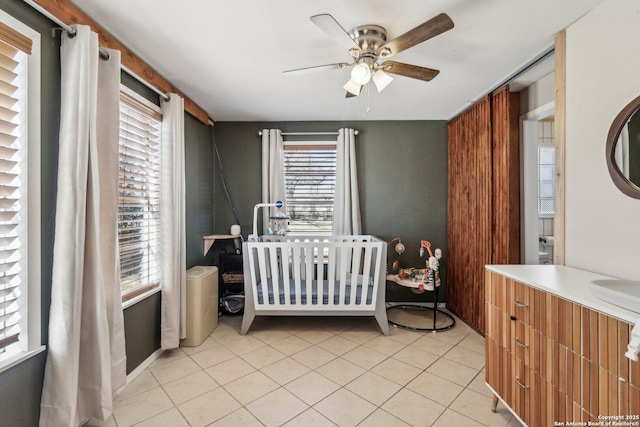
(201, 305)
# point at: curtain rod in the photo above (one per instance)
(49, 15)
(103, 53)
(146, 83)
(307, 133)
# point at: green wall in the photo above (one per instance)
(402, 173)
(21, 386)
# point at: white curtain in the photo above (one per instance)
(172, 224)
(86, 359)
(273, 188)
(346, 207)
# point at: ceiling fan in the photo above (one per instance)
(368, 45)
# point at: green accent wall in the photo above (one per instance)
(142, 330)
(402, 174)
(22, 384)
(199, 188)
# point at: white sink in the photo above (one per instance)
(623, 293)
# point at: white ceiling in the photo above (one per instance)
(228, 55)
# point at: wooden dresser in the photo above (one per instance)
(554, 353)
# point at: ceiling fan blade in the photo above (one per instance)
(334, 30)
(308, 70)
(422, 32)
(349, 95)
(407, 70)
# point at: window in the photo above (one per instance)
(139, 192)
(19, 191)
(546, 169)
(310, 184)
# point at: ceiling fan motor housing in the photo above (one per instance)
(370, 38)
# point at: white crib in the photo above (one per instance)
(315, 276)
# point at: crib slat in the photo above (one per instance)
(366, 274)
(275, 273)
(252, 273)
(308, 261)
(376, 265)
(284, 262)
(318, 255)
(263, 284)
(331, 273)
(296, 273)
(355, 269)
(345, 254)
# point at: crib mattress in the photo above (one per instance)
(283, 287)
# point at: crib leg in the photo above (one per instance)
(381, 317)
(247, 320)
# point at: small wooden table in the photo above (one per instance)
(208, 240)
(450, 322)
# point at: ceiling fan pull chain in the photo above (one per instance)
(366, 112)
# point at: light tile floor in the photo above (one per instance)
(315, 371)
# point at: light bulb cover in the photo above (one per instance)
(381, 80)
(353, 88)
(361, 73)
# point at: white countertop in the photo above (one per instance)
(565, 282)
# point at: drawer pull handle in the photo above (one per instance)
(523, 345)
(519, 304)
(520, 384)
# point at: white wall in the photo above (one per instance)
(603, 75)
(537, 94)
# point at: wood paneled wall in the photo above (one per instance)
(505, 110)
(483, 202)
(469, 211)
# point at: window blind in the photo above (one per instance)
(15, 39)
(11, 103)
(310, 183)
(139, 193)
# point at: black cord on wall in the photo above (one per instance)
(224, 182)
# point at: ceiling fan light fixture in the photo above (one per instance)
(381, 80)
(361, 74)
(353, 88)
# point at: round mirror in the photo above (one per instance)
(623, 149)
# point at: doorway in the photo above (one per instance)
(538, 185)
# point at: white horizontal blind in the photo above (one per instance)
(139, 207)
(310, 184)
(12, 214)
